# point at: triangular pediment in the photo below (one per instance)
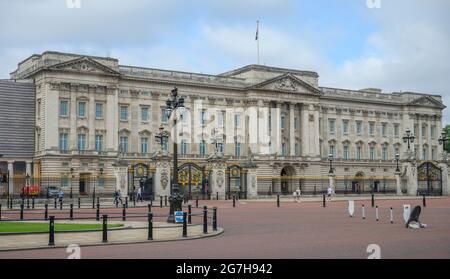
(85, 65)
(287, 83)
(427, 101)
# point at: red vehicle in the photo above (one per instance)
(30, 191)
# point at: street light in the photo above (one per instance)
(397, 158)
(175, 199)
(408, 138)
(162, 138)
(330, 158)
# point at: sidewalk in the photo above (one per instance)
(135, 232)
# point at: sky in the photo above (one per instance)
(394, 45)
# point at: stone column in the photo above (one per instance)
(252, 182)
(121, 172)
(305, 130)
(112, 120)
(398, 184)
(28, 169)
(162, 177)
(411, 178)
(445, 180)
(11, 177)
(292, 128)
(218, 178)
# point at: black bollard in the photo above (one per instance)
(165, 200)
(373, 200)
(134, 202)
(56, 206)
(278, 200)
(51, 231)
(126, 202)
(97, 215)
(184, 224)
(424, 201)
(105, 229)
(93, 202)
(196, 202)
(12, 202)
(124, 213)
(149, 207)
(79, 203)
(0, 211)
(189, 214)
(32, 203)
(46, 211)
(217, 196)
(60, 204)
(21, 211)
(160, 201)
(98, 200)
(234, 201)
(214, 218)
(205, 219)
(150, 226)
(324, 202)
(71, 212)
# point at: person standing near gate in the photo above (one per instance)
(299, 194)
(139, 194)
(329, 193)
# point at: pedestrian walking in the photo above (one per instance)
(330, 191)
(299, 194)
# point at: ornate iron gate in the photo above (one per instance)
(192, 181)
(429, 178)
(139, 176)
(236, 182)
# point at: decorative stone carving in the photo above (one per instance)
(164, 179)
(286, 84)
(220, 178)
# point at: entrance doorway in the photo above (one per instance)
(287, 180)
(84, 178)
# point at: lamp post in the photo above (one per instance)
(408, 138)
(71, 181)
(330, 158)
(176, 198)
(397, 158)
(443, 140)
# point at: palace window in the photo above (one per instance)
(396, 130)
(433, 154)
(372, 153)
(237, 149)
(144, 114)
(384, 129)
(123, 113)
(371, 129)
(358, 152)
(183, 147)
(346, 155)
(297, 123)
(221, 119)
(424, 131)
(63, 141)
(98, 143)
(202, 148)
(81, 109)
(237, 120)
(424, 153)
(64, 181)
(81, 142)
(63, 108)
(144, 145)
(359, 128)
(332, 150)
(384, 153)
(345, 127)
(283, 122)
(297, 149)
(433, 132)
(123, 145)
(283, 149)
(164, 116)
(98, 110)
(332, 126)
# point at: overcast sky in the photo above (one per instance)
(404, 45)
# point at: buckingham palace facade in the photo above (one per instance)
(92, 112)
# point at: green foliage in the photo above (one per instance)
(22, 227)
(447, 132)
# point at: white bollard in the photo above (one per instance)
(363, 213)
(376, 213)
(351, 208)
(392, 216)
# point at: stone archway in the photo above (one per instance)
(287, 176)
(358, 183)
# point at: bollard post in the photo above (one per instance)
(165, 200)
(134, 201)
(184, 224)
(93, 202)
(60, 204)
(0, 211)
(105, 229)
(56, 206)
(21, 211)
(97, 215)
(217, 196)
(71, 212)
(189, 214)
(234, 201)
(149, 207)
(363, 212)
(214, 218)
(373, 200)
(424, 201)
(11, 201)
(392, 216)
(150, 226)
(124, 213)
(205, 219)
(160, 201)
(98, 200)
(126, 202)
(278, 200)
(376, 214)
(196, 202)
(324, 203)
(46, 211)
(79, 202)
(51, 231)
(32, 203)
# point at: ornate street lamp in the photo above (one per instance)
(443, 140)
(330, 158)
(71, 181)
(397, 158)
(176, 198)
(162, 138)
(408, 138)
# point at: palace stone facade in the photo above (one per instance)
(278, 127)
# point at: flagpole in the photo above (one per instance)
(257, 38)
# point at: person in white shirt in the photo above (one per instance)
(299, 194)
(329, 192)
